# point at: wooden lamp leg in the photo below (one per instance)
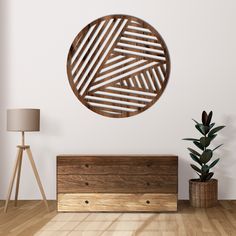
(37, 176)
(19, 154)
(18, 177)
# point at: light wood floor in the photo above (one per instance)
(31, 218)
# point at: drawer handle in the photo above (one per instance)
(148, 184)
(148, 202)
(86, 183)
(87, 165)
(86, 202)
(149, 165)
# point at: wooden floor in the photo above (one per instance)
(31, 218)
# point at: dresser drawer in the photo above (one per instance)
(119, 165)
(118, 202)
(117, 183)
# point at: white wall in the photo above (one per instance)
(35, 39)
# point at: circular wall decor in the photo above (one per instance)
(118, 66)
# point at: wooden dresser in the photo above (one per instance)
(124, 183)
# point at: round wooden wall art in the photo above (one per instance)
(118, 66)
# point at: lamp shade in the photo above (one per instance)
(23, 119)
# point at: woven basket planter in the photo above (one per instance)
(203, 194)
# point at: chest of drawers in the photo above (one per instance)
(147, 183)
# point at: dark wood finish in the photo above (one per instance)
(127, 176)
(108, 53)
(117, 183)
(203, 194)
(117, 165)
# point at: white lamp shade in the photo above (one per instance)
(23, 119)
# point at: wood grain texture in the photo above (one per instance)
(118, 52)
(118, 165)
(116, 184)
(117, 202)
(130, 175)
(30, 218)
(203, 194)
(26, 219)
(21, 149)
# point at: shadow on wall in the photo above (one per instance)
(3, 86)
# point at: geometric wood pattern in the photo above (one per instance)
(118, 66)
(117, 183)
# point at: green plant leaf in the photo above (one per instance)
(214, 163)
(205, 169)
(209, 176)
(204, 117)
(199, 129)
(217, 147)
(195, 158)
(204, 129)
(196, 168)
(203, 177)
(199, 175)
(211, 125)
(195, 121)
(212, 136)
(216, 129)
(190, 139)
(194, 152)
(199, 145)
(209, 118)
(205, 141)
(206, 156)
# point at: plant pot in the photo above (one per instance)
(203, 194)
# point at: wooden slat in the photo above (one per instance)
(126, 93)
(141, 82)
(141, 44)
(93, 56)
(118, 98)
(140, 32)
(154, 80)
(85, 45)
(116, 202)
(132, 55)
(139, 38)
(148, 82)
(113, 109)
(138, 50)
(110, 51)
(116, 183)
(119, 67)
(121, 73)
(98, 101)
(114, 83)
(143, 89)
(158, 75)
(136, 24)
(115, 61)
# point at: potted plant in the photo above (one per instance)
(203, 192)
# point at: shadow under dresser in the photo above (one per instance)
(117, 183)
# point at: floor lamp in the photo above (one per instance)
(23, 120)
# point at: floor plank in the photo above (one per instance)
(31, 218)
